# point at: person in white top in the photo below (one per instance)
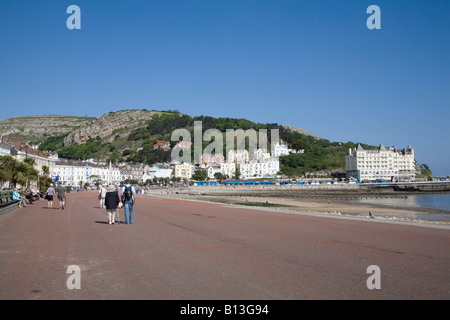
(101, 196)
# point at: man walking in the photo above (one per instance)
(129, 200)
(61, 196)
(50, 194)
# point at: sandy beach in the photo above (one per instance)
(280, 201)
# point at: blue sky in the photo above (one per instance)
(309, 64)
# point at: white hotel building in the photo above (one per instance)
(261, 168)
(390, 164)
(262, 165)
(227, 169)
(40, 158)
(80, 173)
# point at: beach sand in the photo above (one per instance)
(332, 207)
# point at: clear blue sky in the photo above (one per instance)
(309, 64)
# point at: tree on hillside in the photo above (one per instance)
(298, 144)
(220, 176)
(200, 175)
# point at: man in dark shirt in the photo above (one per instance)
(61, 196)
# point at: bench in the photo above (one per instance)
(7, 204)
(6, 199)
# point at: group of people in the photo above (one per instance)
(51, 192)
(60, 193)
(113, 198)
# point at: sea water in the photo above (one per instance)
(440, 201)
(431, 201)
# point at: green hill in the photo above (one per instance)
(135, 145)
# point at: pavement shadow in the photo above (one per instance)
(102, 222)
(106, 222)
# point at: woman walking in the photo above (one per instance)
(112, 201)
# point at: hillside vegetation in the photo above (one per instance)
(134, 144)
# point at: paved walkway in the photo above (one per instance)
(190, 250)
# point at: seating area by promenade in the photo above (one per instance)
(6, 201)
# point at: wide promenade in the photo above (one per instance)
(187, 250)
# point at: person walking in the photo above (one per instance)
(129, 200)
(112, 201)
(50, 194)
(61, 195)
(120, 204)
(101, 196)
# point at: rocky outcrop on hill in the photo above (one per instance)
(36, 127)
(301, 131)
(107, 127)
